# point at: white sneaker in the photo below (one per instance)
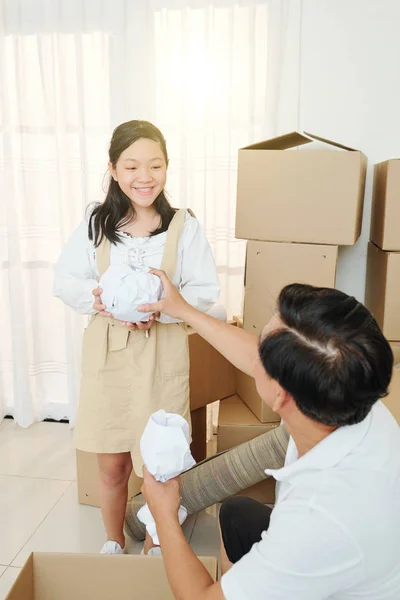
(156, 551)
(111, 547)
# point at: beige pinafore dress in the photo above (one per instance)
(127, 376)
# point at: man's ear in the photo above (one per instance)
(281, 397)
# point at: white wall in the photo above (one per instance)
(349, 91)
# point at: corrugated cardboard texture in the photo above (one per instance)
(212, 377)
(237, 424)
(246, 389)
(308, 196)
(86, 576)
(382, 289)
(385, 218)
(271, 265)
(87, 472)
(392, 401)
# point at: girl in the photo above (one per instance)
(130, 372)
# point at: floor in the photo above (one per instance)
(39, 510)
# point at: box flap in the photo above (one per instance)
(330, 142)
(23, 588)
(293, 140)
(282, 142)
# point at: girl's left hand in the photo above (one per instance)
(142, 325)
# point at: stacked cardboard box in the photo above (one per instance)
(236, 425)
(212, 378)
(383, 264)
(295, 208)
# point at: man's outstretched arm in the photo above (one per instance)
(238, 346)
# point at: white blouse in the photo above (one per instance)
(76, 273)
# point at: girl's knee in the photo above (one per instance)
(114, 470)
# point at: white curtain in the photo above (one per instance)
(71, 70)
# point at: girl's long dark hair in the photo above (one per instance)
(117, 209)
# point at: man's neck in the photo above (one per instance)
(305, 432)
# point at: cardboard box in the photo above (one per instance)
(385, 218)
(87, 479)
(392, 401)
(236, 425)
(212, 377)
(382, 289)
(271, 265)
(263, 492)
(395, 346)
(247, 391)
(312, 196)
(94, 576)
(87, 471)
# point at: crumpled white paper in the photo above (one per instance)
(125, 288)
(165, 448)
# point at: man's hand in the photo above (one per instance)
(98, 305)
(164, 499)
(171, 304)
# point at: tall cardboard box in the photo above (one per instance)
(392, 400)
(312, 196)
(236, 425)
(272, 265)
(382, 289)
(385, 217)
(49, 576)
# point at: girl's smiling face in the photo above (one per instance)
(141, 172)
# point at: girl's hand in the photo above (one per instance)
(98, 305)
(142, 325)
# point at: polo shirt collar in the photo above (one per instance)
(326, 454)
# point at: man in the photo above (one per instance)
(322, 363)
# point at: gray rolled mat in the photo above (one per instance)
(221, 476)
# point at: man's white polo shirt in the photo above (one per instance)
(335, 531)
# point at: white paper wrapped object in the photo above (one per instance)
(125, 288)
(165, 448)
(144, 515)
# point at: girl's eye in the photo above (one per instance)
(131, 168)
(158, 167)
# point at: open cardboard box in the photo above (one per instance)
(50, 576)
(312, 196)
